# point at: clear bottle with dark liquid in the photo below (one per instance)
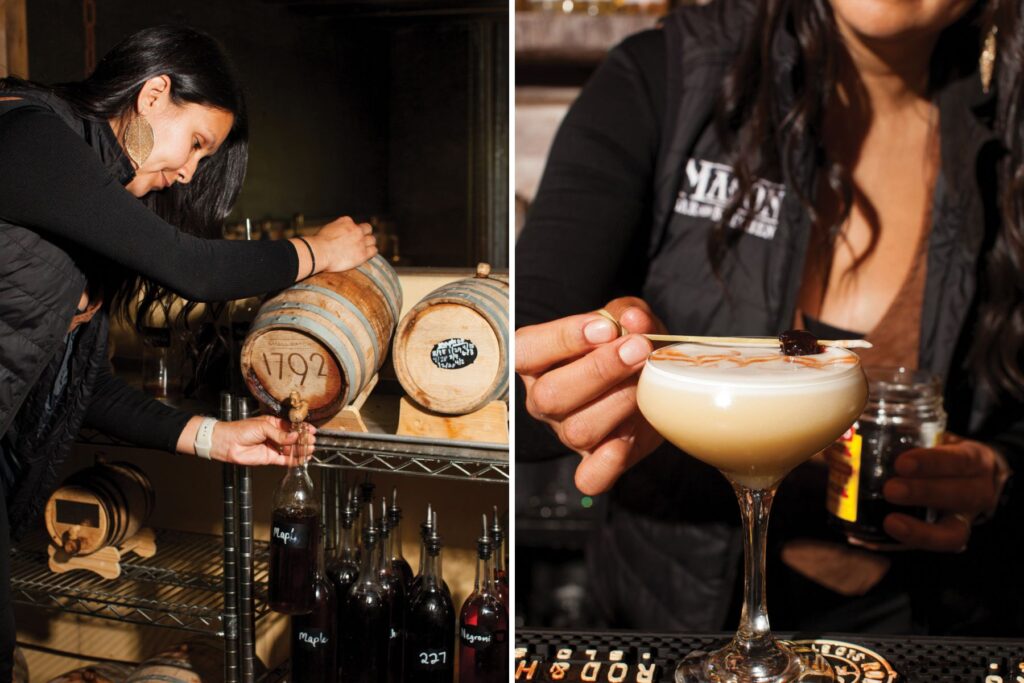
(500, 573)
(343, 570)
(430, 624)
(396, 588)
(294, 544)
(366, 617)
(483, 624)
(426, 528)
(398, 561)
(314, 635)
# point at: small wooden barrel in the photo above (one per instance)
(325, 338)
(451, 349)
(99, 506)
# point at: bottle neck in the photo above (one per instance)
(484, 575)
(368, 566)
(432, 569)
(424, 531)
(498, 557)
(396, 540)
(347, 549)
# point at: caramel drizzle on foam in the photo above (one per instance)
(740, 361)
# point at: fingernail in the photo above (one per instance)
(599, 331)
(634, 351)
(896, 491)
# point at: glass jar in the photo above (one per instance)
(904, 411)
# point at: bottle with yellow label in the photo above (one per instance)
(904, 411)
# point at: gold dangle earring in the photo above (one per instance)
(138, 140)
(987, 61)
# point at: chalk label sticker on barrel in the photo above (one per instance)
(290, 535)
(452, 354)
(73, 512)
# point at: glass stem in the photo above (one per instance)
(754, 634)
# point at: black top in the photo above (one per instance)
(634, 184)
(53, 182)
(57, 183)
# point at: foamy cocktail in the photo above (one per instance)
(751, 411)
(755, 413)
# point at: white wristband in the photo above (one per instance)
(204, 437)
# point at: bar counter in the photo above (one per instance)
(633, 657)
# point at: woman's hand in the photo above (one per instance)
(962, 479)
(580, 379)
(340, 245)
(263, 440)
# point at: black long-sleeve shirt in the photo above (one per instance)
(54, 182)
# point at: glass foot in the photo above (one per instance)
(777, 664)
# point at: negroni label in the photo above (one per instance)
(452, 354)
(850, 663)
(844, 475)
(313, 639)
(480, 638)
(290, 535)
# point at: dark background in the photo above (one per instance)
(395, 112)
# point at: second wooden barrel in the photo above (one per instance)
(451, 349)
(99, 506)
(325, 338)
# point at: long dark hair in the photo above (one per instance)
(769, 139)
(200, 73)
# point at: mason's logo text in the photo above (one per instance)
(709, 187)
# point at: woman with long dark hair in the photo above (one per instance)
(852, 167)
(112, 192)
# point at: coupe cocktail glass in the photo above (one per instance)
(755, 414)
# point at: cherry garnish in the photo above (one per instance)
(799, 343)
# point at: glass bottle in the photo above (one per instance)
(483, 624)
(314, 635)
(398, 561)
(343, 571)
(395, 586)
(425, 527)
(294, 543)
(430, 625)
(366, 617)
(500, 574)
(904, 411)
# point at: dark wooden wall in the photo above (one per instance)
(380, 111)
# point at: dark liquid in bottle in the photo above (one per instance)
(294, 549)
(483, 641)
(396, 633)
(402, 569)
(342, 576)
(430, 639)
(365, 632)
(314, 641)
(880, 447)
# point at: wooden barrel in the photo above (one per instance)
(196, 661)
(325, 338)
(99, 506)
(451, 349)
(102, 672)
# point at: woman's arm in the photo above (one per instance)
(584, 240)
(126, 413)
(52, 181)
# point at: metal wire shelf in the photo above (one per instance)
(442, 458)
(445, 459)
(182, 586)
